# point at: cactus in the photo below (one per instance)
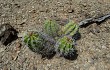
(53, 40)
(34, 41)
(70, 29)
(65, 46)
(39, 43)
(51, 28)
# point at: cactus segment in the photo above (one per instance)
(65, 46)
(74, 31)
(51, 28)
(37, 43)
(70, 29)
(33, 41)
(67, 26)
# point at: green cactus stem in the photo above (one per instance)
(65, 46)
(33, 41)
(40, 43)
(70, 29)
(51, 28)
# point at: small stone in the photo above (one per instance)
(108, 55)
(92, 68)
(1, 50)
(15, 58)
(49, 65)
(17, 48)
(3, 15)
(46, 68)
(33, 7)
(20, 35)
(70, 11)
(104, 47)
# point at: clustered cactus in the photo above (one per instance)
(64, 45)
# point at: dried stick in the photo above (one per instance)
(89, 21)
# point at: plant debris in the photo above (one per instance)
(98, 20)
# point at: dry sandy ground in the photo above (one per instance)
(93, 47)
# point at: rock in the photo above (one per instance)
(7, 34)
(17, 47)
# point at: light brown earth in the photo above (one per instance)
(93, 48)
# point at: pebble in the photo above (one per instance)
(103, 47)
(20, 35)
(92, 68)
(70, 11)
(49, 65)
(108, 55)
(1, 49)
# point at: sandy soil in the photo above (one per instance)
(93, 47)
